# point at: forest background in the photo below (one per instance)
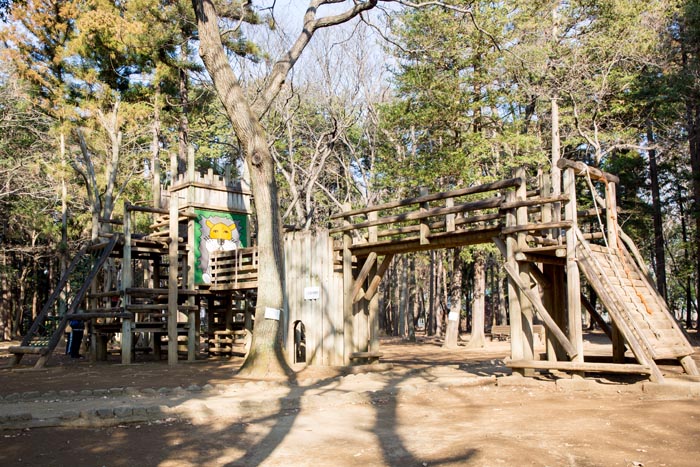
(94, 92)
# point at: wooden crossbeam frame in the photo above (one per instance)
(358, 293)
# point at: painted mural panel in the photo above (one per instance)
(216, 231)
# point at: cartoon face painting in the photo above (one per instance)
(218, 234)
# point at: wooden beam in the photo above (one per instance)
(544, 314)
(443, 240)
(591, 367)
(573, 277)
(172, 280)
(535, 201)
(374, 284)
(581, 169)
(536, 226)
(424, 207)
(535, 258)
(362, 277)
(348, 331)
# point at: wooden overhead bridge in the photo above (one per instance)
(547, 239)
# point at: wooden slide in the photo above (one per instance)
(635, 306)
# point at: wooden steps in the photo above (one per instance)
(634, 305)
(95, 256)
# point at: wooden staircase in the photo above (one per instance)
(635, 306)
(37, 340)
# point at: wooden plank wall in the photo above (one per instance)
(212, 192)
(309, 263)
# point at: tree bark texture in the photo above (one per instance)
(479, 302)
(266, 356)
(659, 252)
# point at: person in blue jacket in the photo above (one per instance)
(75, 338)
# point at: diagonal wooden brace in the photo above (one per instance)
(542, 311)
(374, 283)
(360, 279)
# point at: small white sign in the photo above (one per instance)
(312, 293)
(272, 313)
(453, 316)
(421, 322)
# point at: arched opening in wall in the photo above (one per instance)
(299, 342)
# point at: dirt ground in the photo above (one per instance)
(427, 406)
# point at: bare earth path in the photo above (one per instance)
(428, 407)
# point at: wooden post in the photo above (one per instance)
(526, 308)
(617, 338)
(374, 301)
(348, 331)
(611, 214)
(553, 299)
(127, 279)
(514, 311)
(193, 318)
(172, 279)
(424, 227)
(573, 278)
(188, 265)
(450, 218)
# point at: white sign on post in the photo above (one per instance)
(272, 313)
(312, 293)
(453, 316)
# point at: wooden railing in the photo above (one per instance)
(458, 217)
(234, 270)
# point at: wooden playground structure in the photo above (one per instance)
(183, 270)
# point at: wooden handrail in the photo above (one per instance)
(474, 205)
(509, 183)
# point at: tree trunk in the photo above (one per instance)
(659, 252)
(430, 319)
(413, 301)
(440, 287)
(267, 356)
(403, 302)
(479, 303)
(183, 127)
(452, 330)
(686, 257)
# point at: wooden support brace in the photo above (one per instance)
(544, 314)
(360, 279)
(374, 284)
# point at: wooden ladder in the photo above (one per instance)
(592, 268)
(35, 342)
(635, 307)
